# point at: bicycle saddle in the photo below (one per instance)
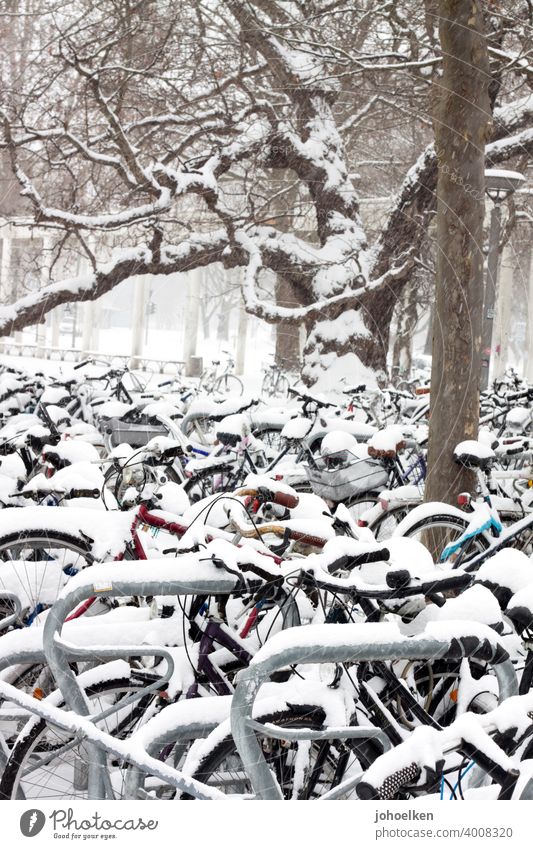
(473, 454)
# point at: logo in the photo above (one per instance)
(32, 822)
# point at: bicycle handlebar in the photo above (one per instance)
(283, 499)
(280, 531)
(309, 399)
(392, 784)
(354, 390)
(38, 494)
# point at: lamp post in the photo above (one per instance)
(499, 185)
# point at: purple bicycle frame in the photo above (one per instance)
(214, 632)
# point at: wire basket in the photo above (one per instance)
(135, 434)
(336, 482)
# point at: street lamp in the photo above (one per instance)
(499, 185)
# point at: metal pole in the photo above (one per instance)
(504, 301)
(490, 295)
(529, 343)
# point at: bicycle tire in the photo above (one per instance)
(270, 436)
(228, 384)
(58, 554)
(266, 386)
(217, 764)
(359, 503)
(282, 387)
(384, 526)
(199, 428)
(15, 782)
(450, 528)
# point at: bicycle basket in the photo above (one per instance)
(354, 476)
(135, 434)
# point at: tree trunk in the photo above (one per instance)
(402, 354)
(428, 347)
(287, 352)
(461, 119)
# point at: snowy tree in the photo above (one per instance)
(170, 124)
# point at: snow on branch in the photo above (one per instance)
(193, 252)
(330, 307)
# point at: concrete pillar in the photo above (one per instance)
(5, 261)
(138, 319)
(529, 338)
(504, 300)
(5, 281)
(55, 322)
(46, 260)
(87, 328)
(192, 315)
(242, 333)
(97, 318)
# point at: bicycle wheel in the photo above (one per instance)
(384, 527)
(228, 384)
(304, 769)
(199, 428)
(35, 564)
(417, 692)
(271, 437)
(359, 503)
(440, 530)
(281, 389)
(49, 763)
(266, 386)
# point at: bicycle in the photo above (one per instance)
(225, 382)
(275, 383)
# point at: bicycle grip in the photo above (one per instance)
(83, 363)
(285, 499)
(392, 784)
(84, 493)
(307, 539)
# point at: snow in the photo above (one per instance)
(508, 568)
(297, 428)
(387, 439)
(473, 448)
(107, 532)
(518, 417)
(523, 598)
(475, 604)
(503, 174)
(427, 511)
(336, 441)
(365, 637)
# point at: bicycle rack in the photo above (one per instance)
(116, 580)
(297, 645)
(198, 578)
(5, 595)
(344, 644)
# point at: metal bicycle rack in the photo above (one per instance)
(297, 645)
(345, 644)
(96, 580)
(11, 618)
